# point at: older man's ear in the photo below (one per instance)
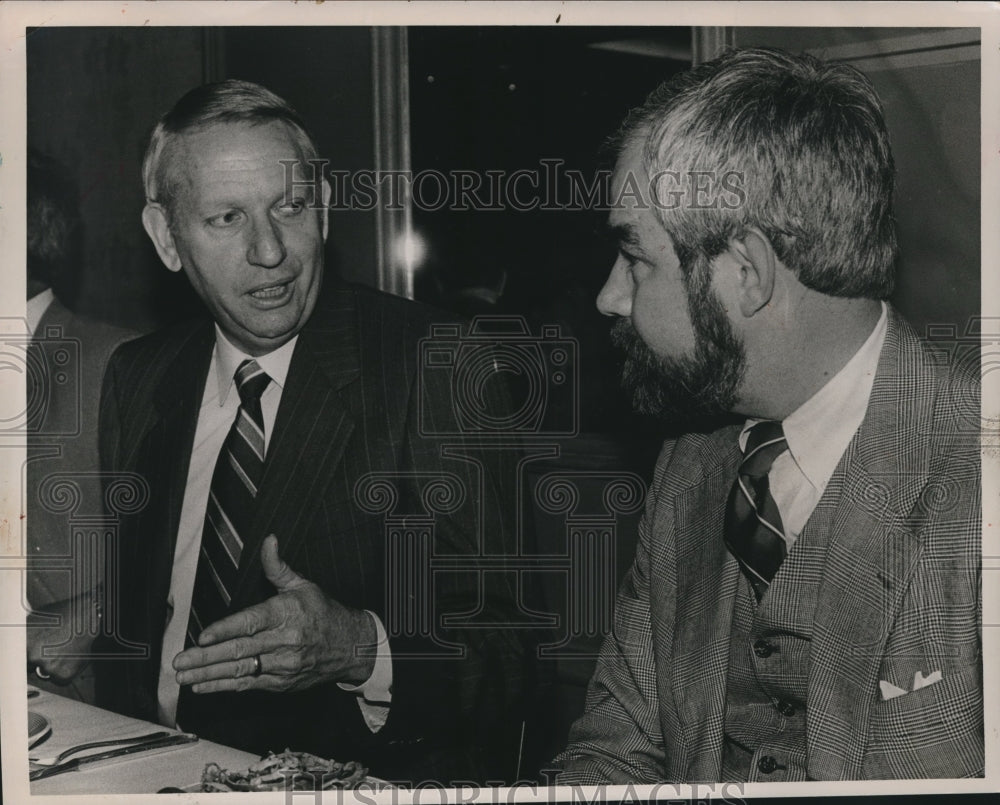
(154, 220)
(327, 193)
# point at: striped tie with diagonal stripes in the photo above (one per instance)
(753, 530)
(230, 502)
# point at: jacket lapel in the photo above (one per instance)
(178, 400)
(706, 591)
(311, 432)
(163, 461)
(870, 557)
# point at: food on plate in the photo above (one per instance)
(297, 771)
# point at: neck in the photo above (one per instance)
(796, 357)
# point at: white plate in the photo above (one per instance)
(38, 728)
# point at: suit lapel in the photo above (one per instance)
(311, 432)
(706, 591)
(178, 400)
(870, 558)
(163, 460)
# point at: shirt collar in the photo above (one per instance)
(228, 358)
(820, 429)
(36, 308)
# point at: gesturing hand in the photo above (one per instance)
(301, 637)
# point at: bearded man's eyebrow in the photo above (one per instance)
(625, 234)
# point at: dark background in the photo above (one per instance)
(506, 99)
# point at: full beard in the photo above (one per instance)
(694, 389)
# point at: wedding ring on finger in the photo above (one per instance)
(257, 670)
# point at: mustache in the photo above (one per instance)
(645, 378)
(640, 359)
(621, 331)
(624, 336)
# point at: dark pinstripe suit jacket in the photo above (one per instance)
(900, 594)
(349, 407)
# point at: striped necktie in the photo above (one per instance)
(238, 471)
(753, 531)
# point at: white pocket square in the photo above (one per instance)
(921, 681)
(890, 691)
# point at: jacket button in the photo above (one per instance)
(786, 708)
(763, 649)
(767, 764)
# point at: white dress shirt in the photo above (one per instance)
(219, 405)
(818, 433)
(36, 307)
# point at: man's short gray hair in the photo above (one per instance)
(229, 101)
(807, 140)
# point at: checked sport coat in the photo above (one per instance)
(351, 406)
(900, 594)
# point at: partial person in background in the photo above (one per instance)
(259, 574)
(449, 280)
(804, 602)
(482, 299)
(69, 353)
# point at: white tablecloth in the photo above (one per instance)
(74, 723)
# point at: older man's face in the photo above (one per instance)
(254, 256)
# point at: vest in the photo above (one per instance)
(767, 681)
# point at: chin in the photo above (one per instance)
(272, 324)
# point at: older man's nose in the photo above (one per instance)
(615, 298)
(266, 247)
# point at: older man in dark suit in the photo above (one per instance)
(804, 601)
(260, 574)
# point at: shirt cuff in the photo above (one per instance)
(375, 694)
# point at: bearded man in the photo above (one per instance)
(805, 597)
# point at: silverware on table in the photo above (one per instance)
(172, 740)
(73, 750)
